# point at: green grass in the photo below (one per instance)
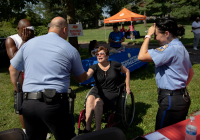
(142, 84)
(99, 34)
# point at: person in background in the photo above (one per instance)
(116, 38)
(131, 29)
(196, 31)
(13, 44)
(173, 71)
(93, 47)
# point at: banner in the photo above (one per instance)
(75, 30)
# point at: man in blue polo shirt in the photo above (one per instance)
(116, 37)
(48, 61)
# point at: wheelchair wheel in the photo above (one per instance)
(127, 109)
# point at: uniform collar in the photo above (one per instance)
(176, 39)
(53, 33)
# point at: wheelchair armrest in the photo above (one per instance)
(121, 85)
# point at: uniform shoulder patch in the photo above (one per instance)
(162, 48)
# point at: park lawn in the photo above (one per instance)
(99, 34)
(142, 84)
(102, 37)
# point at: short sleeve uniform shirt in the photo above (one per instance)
(172, 64)
(47, 61)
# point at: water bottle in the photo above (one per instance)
(191, 129)
(123, 48)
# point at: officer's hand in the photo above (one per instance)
(27, 34)
(152, 30)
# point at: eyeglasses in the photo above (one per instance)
(99, 54)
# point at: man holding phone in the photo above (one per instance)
(116, 38)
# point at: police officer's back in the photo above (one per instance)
(48, 61)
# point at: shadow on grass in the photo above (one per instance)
(133, 130)
(144, 73)
(140, 111)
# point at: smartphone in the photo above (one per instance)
(139, 138)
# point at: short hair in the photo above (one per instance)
(170, 25)
(115, 26)
(104, 49)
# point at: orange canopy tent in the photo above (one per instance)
(124, 15)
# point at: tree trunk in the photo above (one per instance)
(71, 20)
(145, 21)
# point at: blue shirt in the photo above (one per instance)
(116, 37)
(47, 61)
(172, 64)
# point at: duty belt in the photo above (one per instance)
(171, 92)
(39, 96)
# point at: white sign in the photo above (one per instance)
(156, 136)
(75, 30)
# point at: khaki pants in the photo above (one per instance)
(196, 40)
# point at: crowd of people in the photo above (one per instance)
(47, 62)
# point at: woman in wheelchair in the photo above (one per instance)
(106, 74)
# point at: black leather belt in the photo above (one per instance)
(171, 92)
(39, 96)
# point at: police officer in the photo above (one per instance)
(173, 71)
(48, 61)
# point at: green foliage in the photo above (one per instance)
(175, 8)
(13, 9)
(114, 6)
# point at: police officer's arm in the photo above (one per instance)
(191, 73)
(13, 75)
(81, 78)
(10, 47)
(144, 54)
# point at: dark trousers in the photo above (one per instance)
(40, 117)
(172, 109)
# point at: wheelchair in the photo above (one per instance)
(123, 109)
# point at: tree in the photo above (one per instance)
(115, 6)
(13, 9)
(185, 8)
(175, 8)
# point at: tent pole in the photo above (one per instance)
(104, 27)
(121, 25)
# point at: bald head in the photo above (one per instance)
(59, 25)
(23, 23)
(58, 22)
(197, 19)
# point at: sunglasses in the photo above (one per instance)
(99, 54)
